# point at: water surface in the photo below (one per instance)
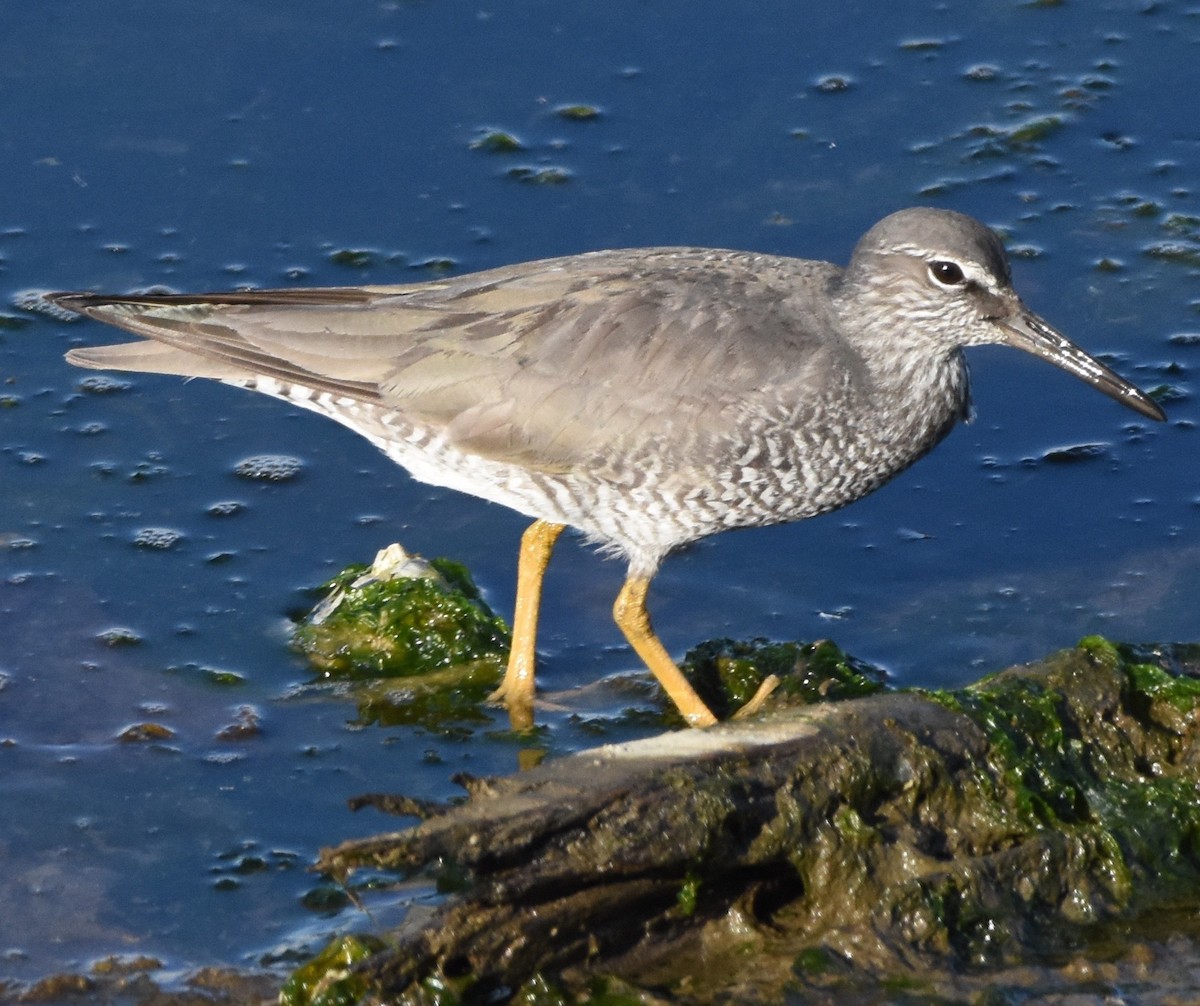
(220, 144)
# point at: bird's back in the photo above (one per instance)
(543, 364)
(648, 396)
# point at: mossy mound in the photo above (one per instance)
(727, 673)
(407, 641)
(400, 617)
(895, 839)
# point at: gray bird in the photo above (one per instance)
(647, 397)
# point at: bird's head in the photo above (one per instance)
(941, 280)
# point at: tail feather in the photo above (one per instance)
(153, 358)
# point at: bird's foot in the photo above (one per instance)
(518, 702)
(770, 683)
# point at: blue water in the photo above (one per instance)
(217, 144)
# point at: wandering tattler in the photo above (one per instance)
(647, 397)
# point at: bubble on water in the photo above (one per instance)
(226, 508)
(157, 538)
(119, 636)
(269, 467)
(833, 83)
(101, 384)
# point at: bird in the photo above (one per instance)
(646, 397)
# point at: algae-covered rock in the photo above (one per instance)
(412, 641)
(328, 979)
(997, 824)
(728, 673)
(408, 640)
(497, 141)
(402, 616)
(144, 981)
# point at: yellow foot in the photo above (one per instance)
(769, 684)
(520, 711)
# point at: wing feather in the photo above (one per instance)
(550, 365)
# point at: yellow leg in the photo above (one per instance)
(516, 690)
(631, 616)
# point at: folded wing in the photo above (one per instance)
(550, 365)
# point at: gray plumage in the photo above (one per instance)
(647, 397)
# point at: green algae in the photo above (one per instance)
(354, 258)
(403, 626)
(497, 141)
(578, 113)
(1034, 131)
(542, 991)
(1131, 825)
(438, 700)
(328, 979)
(1185, 224)
(436, 265)
(428, 649)
(219, 676)
(1004, 823)
(987, 142)
(727, 673)
(689, 893)
(407, 641)
(1162, 692)
(547, 175)
(1176, 252)
(119, 636)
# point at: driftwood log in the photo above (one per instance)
(978, 827)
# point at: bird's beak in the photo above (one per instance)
(1025, 330)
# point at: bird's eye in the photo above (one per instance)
(946, 273)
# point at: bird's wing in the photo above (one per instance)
(551, 365)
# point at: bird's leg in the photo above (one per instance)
(631, 616)
(516, 690)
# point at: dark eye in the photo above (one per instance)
(946, 273)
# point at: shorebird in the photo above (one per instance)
(647, 397)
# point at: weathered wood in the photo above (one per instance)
(980, 826)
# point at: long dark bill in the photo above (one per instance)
(1025, 330)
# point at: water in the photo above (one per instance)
(223, 144)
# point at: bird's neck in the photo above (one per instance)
(919, 398)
